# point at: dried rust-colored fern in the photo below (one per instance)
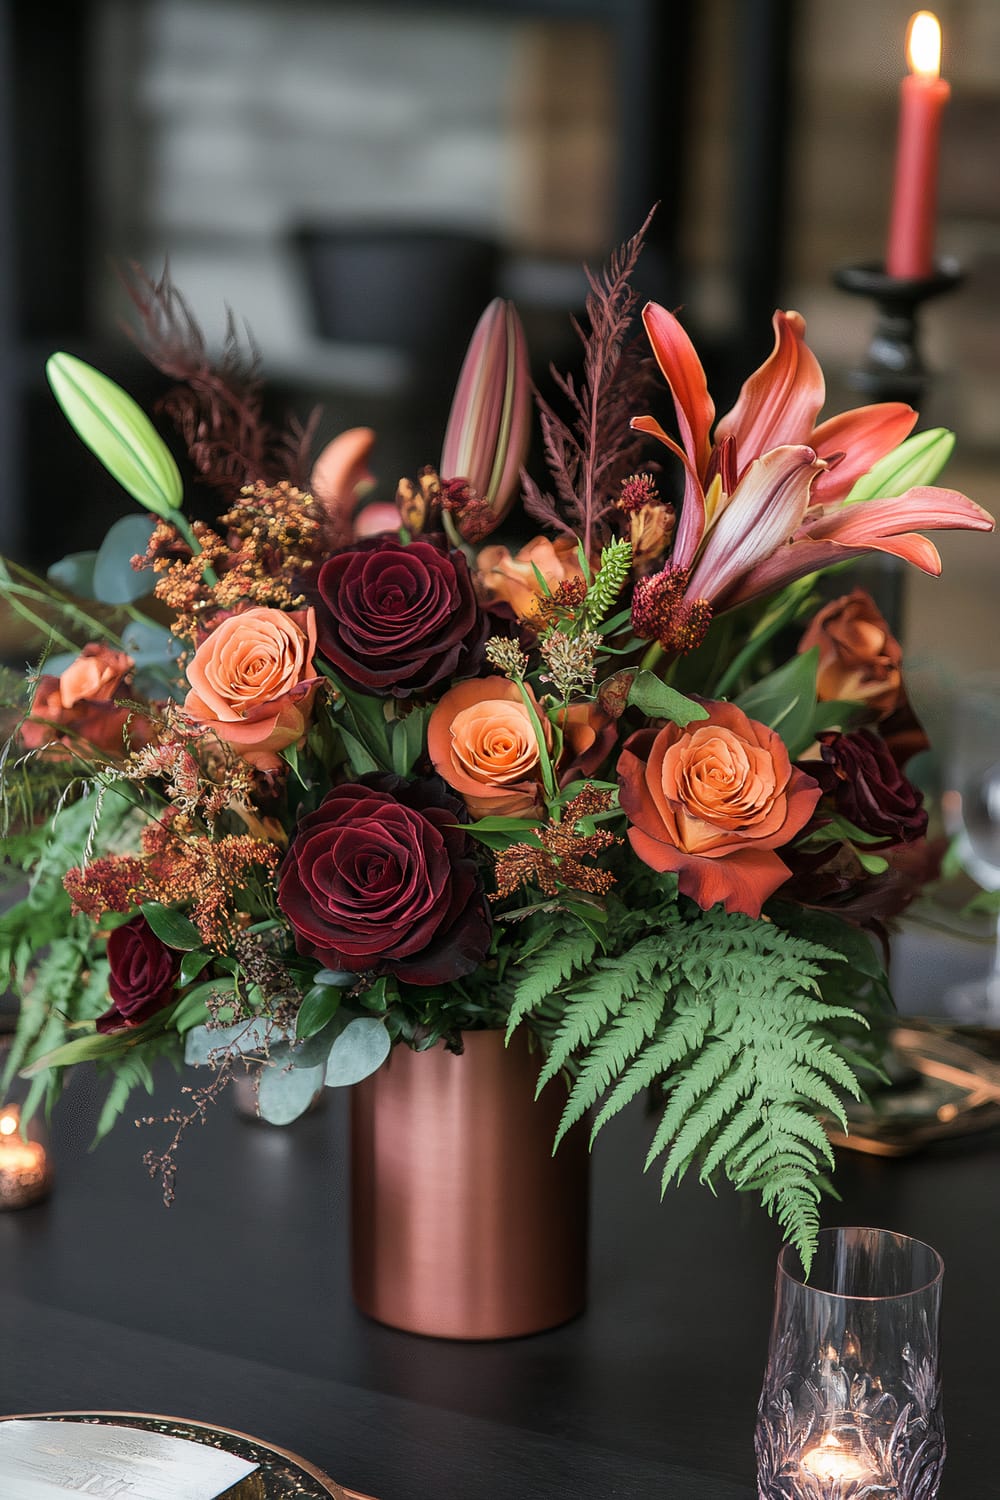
(591, 452)
(216, 405)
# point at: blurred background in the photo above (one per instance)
(356, 180)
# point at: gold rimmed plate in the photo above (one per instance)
(283, 1475)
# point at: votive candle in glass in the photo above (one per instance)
(851, 1403)
(25, 1176)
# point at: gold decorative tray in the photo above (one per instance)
(953, 1089)
(283, 1476)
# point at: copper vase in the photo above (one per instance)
(463, 1223)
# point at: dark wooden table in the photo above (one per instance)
(233, 1307)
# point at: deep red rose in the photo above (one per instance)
(859, 774)
(381, 880)
(399, 619)
(143, 975)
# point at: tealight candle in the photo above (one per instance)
(831, 1462)
(24, 1165)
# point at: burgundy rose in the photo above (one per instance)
(399, 619)
(867, 787)
(143, 974)
(381, 880)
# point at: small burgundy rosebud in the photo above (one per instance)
(859, 774)
(143, 974)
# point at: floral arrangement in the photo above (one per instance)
(335, 772)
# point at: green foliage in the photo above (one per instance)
(724, 1014)
(654, 698)
(785, 700)
(115, 581)
(616, 561)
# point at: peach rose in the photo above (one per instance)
(513, 579)
(481, 741)
(859, 658)
(713, 801)
(77, 709)
(253, 682)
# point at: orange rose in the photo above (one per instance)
(513, 579)
(859, 658)
(713, 801)
(481, 741)
(253, 682)
(77, 711)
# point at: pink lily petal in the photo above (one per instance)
(678, 359)
(885, 524)
(339, 477)
(864, 435)
(779, 402)
(342, 468)
(868, 526)
(691, 522)
(765, 510)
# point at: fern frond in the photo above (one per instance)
(624, 1037)
(599, 997)
(727, 1015)
(685, 1034)
(549, 968)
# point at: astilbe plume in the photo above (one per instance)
(589, 455)
(217, 407)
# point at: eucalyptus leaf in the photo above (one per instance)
(171, 927)
(118, 432)
(75, 573)
(284, 1092)
(359, 1050)
(115, 581)
(652, 697)
(249, 1038)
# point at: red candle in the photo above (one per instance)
(922, 98)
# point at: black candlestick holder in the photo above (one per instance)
(894, 369)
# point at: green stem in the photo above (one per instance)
(654, 655)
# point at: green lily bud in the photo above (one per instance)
(917, 460)
(118, 432)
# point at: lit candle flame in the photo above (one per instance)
(8, 1122)
(829, 1461)
(923, 44)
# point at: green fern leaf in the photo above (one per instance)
(610, 1055)
(549, 968)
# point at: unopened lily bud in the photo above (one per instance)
(489, 424)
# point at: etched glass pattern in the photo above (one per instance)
(851, 1403)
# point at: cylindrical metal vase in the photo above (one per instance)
(463, 1223)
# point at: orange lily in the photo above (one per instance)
(766, 501)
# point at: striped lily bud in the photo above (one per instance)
(489, 425)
